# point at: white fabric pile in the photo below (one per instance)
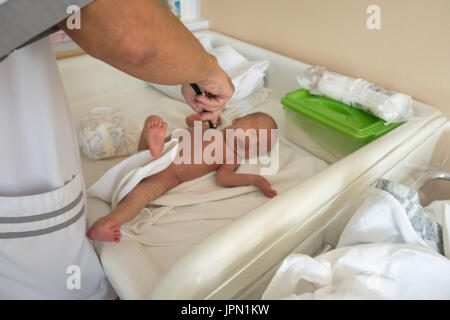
(380, 255)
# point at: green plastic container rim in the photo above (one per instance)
(333, 114)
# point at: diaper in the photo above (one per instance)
(104, 134)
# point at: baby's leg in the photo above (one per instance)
(152, 136)
(108, 227)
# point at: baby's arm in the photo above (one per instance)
(226, 177)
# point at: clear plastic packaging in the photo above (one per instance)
(104, 134)
(385, 104)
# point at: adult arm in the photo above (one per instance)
(145, 40)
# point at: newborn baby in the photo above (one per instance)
(152, 137)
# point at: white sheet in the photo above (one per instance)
(379, 256)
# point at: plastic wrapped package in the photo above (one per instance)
(104, 134)
(382, 103)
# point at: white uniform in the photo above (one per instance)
(44, 253)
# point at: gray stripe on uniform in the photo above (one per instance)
(34, 233)
(43, 216)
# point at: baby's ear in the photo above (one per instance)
(236, 120)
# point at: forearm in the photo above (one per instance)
(143, 39)
(227, 178)
(236, 180)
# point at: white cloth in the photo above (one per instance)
(440, 212)
(116, 183)
(247, 76)
(42, 198)
(379, 256)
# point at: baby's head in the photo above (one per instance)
(255, 126)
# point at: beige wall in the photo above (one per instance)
(411, 53)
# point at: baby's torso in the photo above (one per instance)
(202, 159)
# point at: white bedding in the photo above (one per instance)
(183, 216)
(379, 256)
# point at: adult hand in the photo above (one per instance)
(218, 90)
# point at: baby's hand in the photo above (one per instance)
(195, 117)
(265, 187)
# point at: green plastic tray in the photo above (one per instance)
(333, 114)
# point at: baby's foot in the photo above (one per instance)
(156, 132)
(105, 230)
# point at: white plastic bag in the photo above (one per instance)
(385, 104)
